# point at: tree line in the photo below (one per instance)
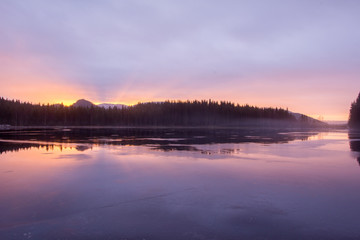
(354, 116)
(168, 113)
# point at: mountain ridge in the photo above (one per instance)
(83, 103)
(87, 104)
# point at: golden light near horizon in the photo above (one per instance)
(302, 64)
(179, 119)
(67, 95)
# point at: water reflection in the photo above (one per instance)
(160, 185)
(354, 141)
(165, 139)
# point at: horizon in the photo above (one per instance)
(334, 122)
(138, 102)
(297, 55)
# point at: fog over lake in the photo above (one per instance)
(174, 183)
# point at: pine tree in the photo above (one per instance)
(168, 113)
(354, 117)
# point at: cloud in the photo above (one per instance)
(183, 49)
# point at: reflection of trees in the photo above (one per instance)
(179, 139)
(354, 142)
(17, 146)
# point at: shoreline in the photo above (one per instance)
(328, 127)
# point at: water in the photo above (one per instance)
(179, 184)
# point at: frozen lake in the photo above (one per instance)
(179, 184)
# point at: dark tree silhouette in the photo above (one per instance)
(168, 113)
(354, 117)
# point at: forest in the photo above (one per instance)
(354, 116)
(168, 113)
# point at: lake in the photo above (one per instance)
(139, 183)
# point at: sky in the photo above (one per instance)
(301, 55)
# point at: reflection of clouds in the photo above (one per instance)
(143, 192)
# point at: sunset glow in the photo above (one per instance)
(298, 55)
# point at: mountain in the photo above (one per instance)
(83, 103)
(306, 119)
(111, 105)
(88, 104)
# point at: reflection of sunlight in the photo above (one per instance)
(109, 174)
(329, 136)
(35, 167)
(318, 136)
(337, 136)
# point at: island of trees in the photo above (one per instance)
(354, 117)
(168, 113)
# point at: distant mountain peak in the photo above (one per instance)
(88, 104)
(306, 119)
(83, 103)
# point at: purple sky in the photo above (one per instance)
(303, 55)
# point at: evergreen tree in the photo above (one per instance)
(168, 113)
(354, 117)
